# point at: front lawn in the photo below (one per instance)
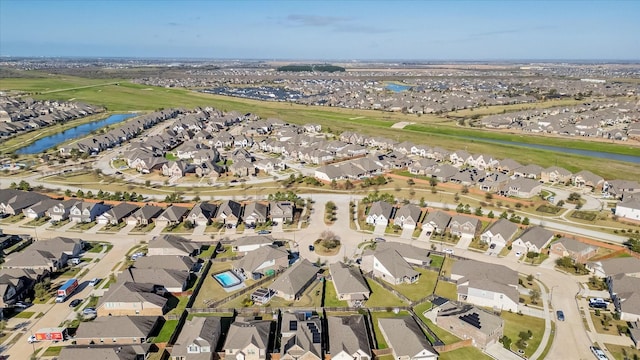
(620, 352)
(38, 222)
(23, 315)
(82, 226)
(96, 247)
(421, 288)
(436, 261)
(114, 228)
(612, 324)
(380, 297)
(13, 219)
(59, 224)
(178, 228)
(465, 353)
(52, 351)
(514, 324)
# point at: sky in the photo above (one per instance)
(323, 30)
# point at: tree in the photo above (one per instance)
(3, 326)
(465, 189)
(525, 221)
(80, 193)
(423, 203)
(189, 225)
(530, 277)
(334, 184)
(478, 211)
(433, 182)
(488, 196)
(506, 342)
(147, 183)
(491, 215)
(565, 262)
(348, 185)
(534, 294)
(633, 244)
(504, 215)
(410, 182)
(532, 255)
(456, 197)
(67, 193)
(23, 185)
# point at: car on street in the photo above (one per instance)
(264, 232)
(379, 239)
(492, 246)
(518, 254)
(31, 339)
(560, 315)
(598, 353)
(94, 282)
(75, 302)
(312, 248)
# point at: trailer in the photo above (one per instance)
(51, 334)
(66, 290)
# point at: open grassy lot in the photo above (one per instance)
(167, 330)
(380, 297)
(447, 290)
(514, 324)
(436, 131)
(421, 288)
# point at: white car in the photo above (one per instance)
(94, 281)
(31, 339)
(518, 254)
(448, 251)
(598, 353)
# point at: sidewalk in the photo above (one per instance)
(547, 322)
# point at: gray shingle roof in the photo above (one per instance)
(348, 334)
(347, 279)
(242, 333)
(405, 336)
(117, 327)
(293, 281)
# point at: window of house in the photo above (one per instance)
(101, 340)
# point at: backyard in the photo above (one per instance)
(514, 324)
(380, 297)
(421, 288)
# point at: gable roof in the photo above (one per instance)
(167, 241)
(293, 281)
(348, 334)
(254, 240)
(174, 213)
(536, 235)
(440, 218)
(409, 211)
(169, 262)
(255, 258)
(202, 331)
(108, 327)
(208, 210)
(122, 210)
(381, 208)
(573, 245)
(244, 332)
(130, 292)
(347, 279)
(503, 227)
(395, 263)
(405, 336)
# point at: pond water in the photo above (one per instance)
(397, 87)
(81, 130)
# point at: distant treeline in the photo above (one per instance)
(315, 67)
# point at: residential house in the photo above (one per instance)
(248, 340)
(486, 284)
(39, 209)
(388, 265)
(121, 330)
(293, 282)
(470, 322)
(198, 339)
(407, 216)
(255, 213)
(168, 244)
(12, 202)
(169, 280)
(625, 293)
(281, 211)
(85, 211)
(531, 171)
(555, 174)
(442, 173)
(578, 251)
(15, 285)
(102, 352)
(177, 169)
(169, 262)
(229, 213)
(508, 166)
(499, 233)
(615, 266)
(620, 189)
(588, 179)
(242, 168)
(263, 261)
(436, 222)
(252, 242)
(47, 255)
(60, 211)
(301, 337)
(144, 215)
(202, 213)
(534, 239)
(406, 339)
(521, 187)
(348, 338)
(629, 208)
(494, 182)
(464, 226)
(132, 299)
(349, 284)
(410, 253)
(172, 215)
(117, 214)
(380, 213)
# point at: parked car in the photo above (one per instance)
(75, 302)
(264, 232)
(312, 248)
(492, 246)
(598, 303)
(560, 315)
(22, 304)
(379, 239)
(448, 251)
(598, 353)
(89, 311)
(94, 282)
(31, 339)
(518, 254)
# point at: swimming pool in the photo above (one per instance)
(227, 279)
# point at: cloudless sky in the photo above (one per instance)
(335, 29)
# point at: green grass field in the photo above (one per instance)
(514, 324)
(428, 129)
